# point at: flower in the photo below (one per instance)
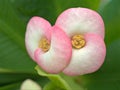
(74, 45)
(30, 85)
(48, 46)
(89, 25)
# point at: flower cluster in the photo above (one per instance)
(74, 45)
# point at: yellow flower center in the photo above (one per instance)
(78, 41)
(44, 44)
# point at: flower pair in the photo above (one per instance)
(74, 45)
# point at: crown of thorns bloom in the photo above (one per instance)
(74, 45)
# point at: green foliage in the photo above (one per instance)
(56, 80)
(16, 65)
(60, 81)
(111, 15)
(13, 55)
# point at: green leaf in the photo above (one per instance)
(108, 77)
(14, 86)
(7, 78)
(59, 81)
(111, 15)
(52, 86)
(56, 79)
(49, 9)
(13, 56)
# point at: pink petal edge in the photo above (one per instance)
(58, 57)
(37, 27)
(88, 59)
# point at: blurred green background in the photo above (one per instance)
(15, 64)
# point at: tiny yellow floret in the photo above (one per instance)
(78, 41)
(44, 44)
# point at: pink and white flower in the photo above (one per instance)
(55, 40)
(74, 45)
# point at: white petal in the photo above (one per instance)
(89, 58)
(36, 28)
(80, 21)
